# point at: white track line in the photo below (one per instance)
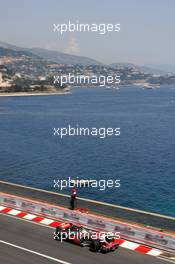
(167, 260)
(34, 252)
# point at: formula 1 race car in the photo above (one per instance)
(72, 233)
(96, 241)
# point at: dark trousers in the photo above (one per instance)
(72, 203)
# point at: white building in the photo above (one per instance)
(3, 84)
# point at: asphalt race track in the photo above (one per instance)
(32, 243)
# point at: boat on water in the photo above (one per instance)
(146, 86)
(149, 86)
(116, 87)
(112, 87)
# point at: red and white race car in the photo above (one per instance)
(96, 241)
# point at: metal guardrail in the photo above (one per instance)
(155, 221)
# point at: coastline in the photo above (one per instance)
(32, 94)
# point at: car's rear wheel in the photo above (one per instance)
(114, 247)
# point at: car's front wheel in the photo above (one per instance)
(95, 246)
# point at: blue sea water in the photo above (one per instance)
(142, 157)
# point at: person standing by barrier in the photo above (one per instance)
(73, 198)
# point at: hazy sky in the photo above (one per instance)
(147, 28)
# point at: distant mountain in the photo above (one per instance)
(61, 57)
(144, 69)
(54, 56)
(15, 53)
(64, 58)
(9, 46)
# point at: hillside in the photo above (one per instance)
(15, 53)
(54, 56)
(145, 69)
